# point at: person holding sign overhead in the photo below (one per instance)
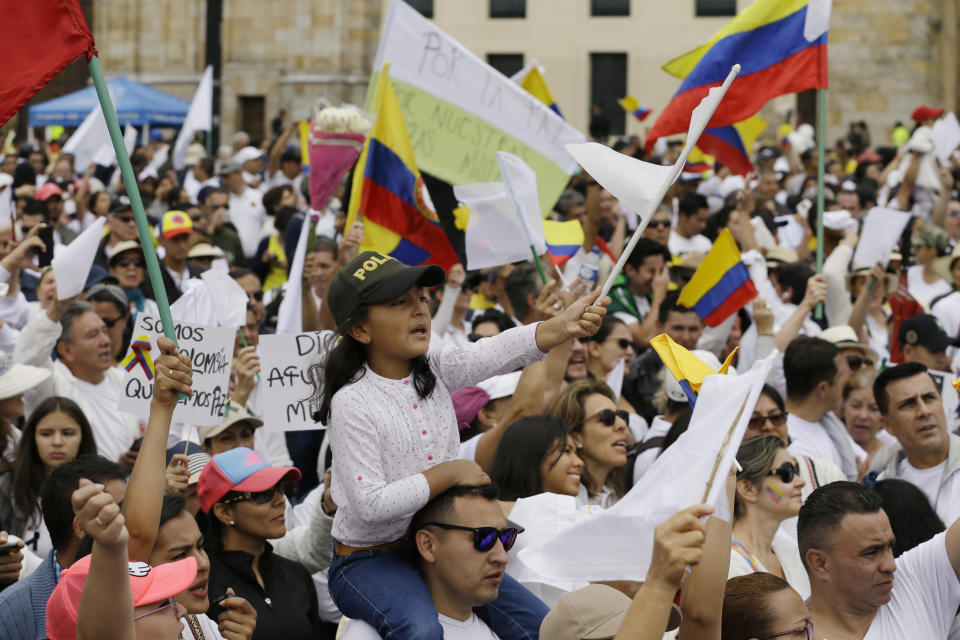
(393, 432)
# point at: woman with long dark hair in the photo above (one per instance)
(536, 455)
(56, 433)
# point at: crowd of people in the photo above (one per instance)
(463, 417)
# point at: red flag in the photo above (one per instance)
(40, 38)
(903, 306)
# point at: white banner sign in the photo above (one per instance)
(285, 384)
(210, 350)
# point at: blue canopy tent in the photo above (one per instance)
(137, 104)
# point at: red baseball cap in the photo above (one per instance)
(923, 112)
(48, 190)
(148, 585)
(239, 469)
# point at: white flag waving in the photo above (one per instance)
(199, 118)
(617, 544)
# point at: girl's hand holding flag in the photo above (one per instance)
(579, 320)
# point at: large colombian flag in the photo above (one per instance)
(389, 193)
(781, 46)
(685, 367)
(731, 145)
(721, 284)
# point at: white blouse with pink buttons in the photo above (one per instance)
(384, 436)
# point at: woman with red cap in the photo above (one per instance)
(243, 499)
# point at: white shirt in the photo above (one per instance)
(472, 629)
(384, 435)
(208, 629)
(924, 598)
(643, 308)
(810, 439)
(680, 246)
(658, 429)
(110, 430)
(923, 291)
(927, 480)
(248, 215)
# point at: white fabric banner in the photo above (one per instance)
(199, 117)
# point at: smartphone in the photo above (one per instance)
(137, 444)
(219, 599)
(44, 258)
(8, 548)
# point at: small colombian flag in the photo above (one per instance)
(721, 286)
(686, 368)
(632, 106)
(563, 239)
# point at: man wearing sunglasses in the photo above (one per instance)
(461, 541)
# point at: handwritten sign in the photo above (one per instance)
(460, 111)
(210, 350)
(286, 378)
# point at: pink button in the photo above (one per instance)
(429, 457)
(424, 432)
(414, 406)
(406, 382)
(359, 477)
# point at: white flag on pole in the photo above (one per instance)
(199, 118)
(617, 544)
(504, 216)
(87, 141)
(71, 264)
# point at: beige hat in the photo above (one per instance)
(232, 414)
(856, 272)
(941, 266)
(16, 378)
(592, 613)
(204, 250)
(844, 337)
(780, 255)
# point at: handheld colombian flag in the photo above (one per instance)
(564, 239)
(632, 106)
(686, 368)
(389, 193)
(731, 145)
(782, 47)
(721, 285)
(536, 85)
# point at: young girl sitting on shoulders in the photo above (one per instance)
(393, 432)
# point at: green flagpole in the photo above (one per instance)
(821, 152)
(536, 260)
(130, 182)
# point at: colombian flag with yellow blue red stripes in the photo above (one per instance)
(721, 285)
(389, 195)
(535, 84)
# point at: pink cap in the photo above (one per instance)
(239, 469)
(48, 190)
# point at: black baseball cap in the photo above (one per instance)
(372, 277)
(924, 330)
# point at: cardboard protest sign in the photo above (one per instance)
(459, 110)
(210, 350)
(286, 360)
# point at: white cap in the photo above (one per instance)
(248, 153)
(501, 386)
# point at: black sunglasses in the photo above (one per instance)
(609, 417)
(787, 471)
(659, 223)
(110, 322)
(256, 295)
(257, 497)
(485, 537)
(855, 362)
(776, 419)
(624, 343)
(473, 337)
(129, 262)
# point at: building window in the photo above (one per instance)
(608, 83)
(709, 8)
(252, 116)
(506, 63)
(425, 7)
(609, 7)
(508, 8)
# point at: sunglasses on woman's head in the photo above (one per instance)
(855, 362)
(787, 471)
(776, 419)
(609, 417)
(257, 497)
(485, 537)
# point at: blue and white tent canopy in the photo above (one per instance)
(136, 103)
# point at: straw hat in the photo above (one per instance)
(16, 378)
